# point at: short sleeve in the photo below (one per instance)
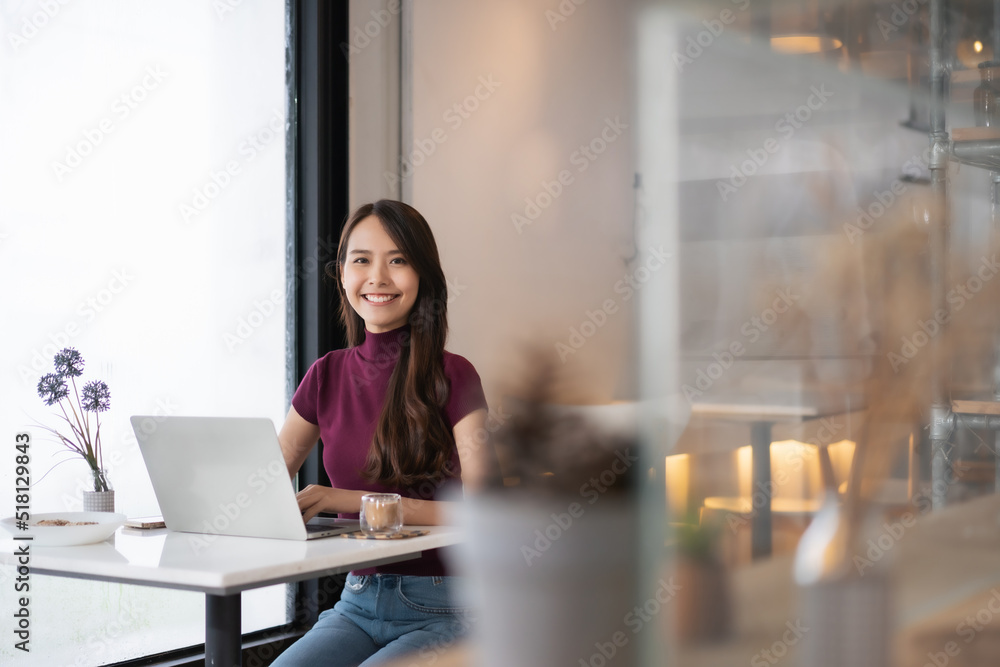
(306, 397)
(466, 392)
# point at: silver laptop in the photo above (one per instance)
(225, 476)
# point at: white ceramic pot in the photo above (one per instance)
(552, 581)
(99, 501)
(848, 621)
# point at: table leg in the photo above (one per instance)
(942, 424)
(996, 462)
(760, 534)
(223, 634)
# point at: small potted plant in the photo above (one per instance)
(703, 611)
(83, 438)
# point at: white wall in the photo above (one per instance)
(373, 53)
(503, 97)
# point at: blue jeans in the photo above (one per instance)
(379, 618)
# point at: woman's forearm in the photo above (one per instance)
(315, 499)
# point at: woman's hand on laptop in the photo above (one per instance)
(315, 499)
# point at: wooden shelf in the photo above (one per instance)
(966, 134)
(975, 407)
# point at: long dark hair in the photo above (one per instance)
(412, 441)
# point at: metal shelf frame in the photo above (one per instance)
(945, 416)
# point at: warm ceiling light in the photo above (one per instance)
(799, 44)
(678, 472)
(795, 468)
(971, 52)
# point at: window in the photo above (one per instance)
(143, 222)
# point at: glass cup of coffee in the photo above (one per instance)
(381, 513)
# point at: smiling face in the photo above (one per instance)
(381, 284)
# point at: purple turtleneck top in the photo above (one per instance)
(343, 394)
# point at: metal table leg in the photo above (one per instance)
(996, 462)
(760, 534)
(940, 435)
(223, 634)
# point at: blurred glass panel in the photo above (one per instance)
(835, 289)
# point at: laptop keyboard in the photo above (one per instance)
(341, 526)
(317, 528)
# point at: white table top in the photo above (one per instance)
(776, 407)
(223, 566)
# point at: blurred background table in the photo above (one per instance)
(762, 415)
(945, 570)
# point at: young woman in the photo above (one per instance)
(396, 414)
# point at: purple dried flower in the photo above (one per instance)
(69, 362)
(52, 388)
(96, 397)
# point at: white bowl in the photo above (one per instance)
(65, 536)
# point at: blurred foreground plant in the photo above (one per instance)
(548, 448)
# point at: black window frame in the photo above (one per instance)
(318, 205)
